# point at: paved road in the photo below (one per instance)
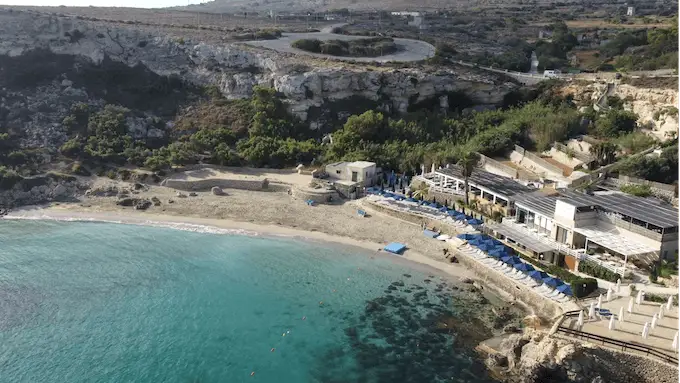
(410, 50)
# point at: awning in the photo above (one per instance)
(613, 241)
(524, 238)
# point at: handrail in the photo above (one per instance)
(649, 351)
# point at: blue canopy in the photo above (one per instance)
(474, 222)
(468, 236)
(395, 248)
(430, 233)
(434, 205)
(398, 197)
(503, 248)
(410, 199)
(538, 275)
(443, 209)
(498, 253)
(475, 242)
(459, 216)
(524, 267)
(565, 289)
(552, 282)
(484, 247)
(388, 195)
(511, 260)
(491, 242)
(451, 212)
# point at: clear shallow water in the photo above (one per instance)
(103, 302)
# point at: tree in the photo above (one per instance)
(468, 162)
(615, 123)
(604, 152)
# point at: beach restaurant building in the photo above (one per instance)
(610, 223)
(488, 189)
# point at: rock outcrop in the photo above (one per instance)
(315, 93)
(535, 357)
(41, 189)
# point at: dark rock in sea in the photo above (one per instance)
(398, 283)
(427, 280)
(407, 275)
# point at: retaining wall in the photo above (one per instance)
(318, 196)
(207, 184)
(543, 307)
(660, 190)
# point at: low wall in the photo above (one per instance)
(563, 158)
(664, 191)
(534, 162)
(495, 167)
(320, 196)
(441, 226)
(207, 184)
(543, 307)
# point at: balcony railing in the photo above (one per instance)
(618, 222)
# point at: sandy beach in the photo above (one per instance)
(267, 213)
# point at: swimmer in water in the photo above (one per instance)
(272, 350)
(303, 318)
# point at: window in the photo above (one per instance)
(338, 172)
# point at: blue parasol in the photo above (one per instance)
(524, 267)
(565, 289)
(538, 275)
(552, 282)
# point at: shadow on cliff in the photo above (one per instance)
(136, 88)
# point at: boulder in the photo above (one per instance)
(127, 201)
(59, 190)
(496, 360)
(143, 204)
(217, 190)
(156, 201)
(171, 201)
(193, 194)
(180, 194)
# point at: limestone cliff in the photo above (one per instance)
(655, 106)
(313, 89)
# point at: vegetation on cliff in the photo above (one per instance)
(369, 47)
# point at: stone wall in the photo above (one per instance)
(206, 185)
(543, 307)
(318, 196)
(660, 190)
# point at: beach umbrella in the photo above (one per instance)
(609, 294)
(502, 248)
(611, 323)
(645, 330)
(538, 275)
(474, 222)
(630, 305)
(579, 323)
(675, 341)
(524, 267)
(443, 209)
(654, 320)
(565, 289)
(468, 236)
(591, 310)
(498, 253)
(661, 312)
(511, 260)
(669, 304)
(491, 242)
(638, 298)
(618, 285)
(621, 314)
(484, 247)
(433, 205)
(599, 302)
(552, 282)
(411, 199)
(451, 213)
(459, 217)
(475, 242)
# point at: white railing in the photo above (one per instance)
(590, 258)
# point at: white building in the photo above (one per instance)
(614, 223)
(630, 11)
(362, 172)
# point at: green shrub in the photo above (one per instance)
(557, 271)
(8, 178)
(309, 45)
(660, 298)
(581, 287)
(597, 271)
(78, 169)
(637, 190)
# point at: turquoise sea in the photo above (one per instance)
(106, 302)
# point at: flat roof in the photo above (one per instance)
(361, 164)
(542, 204)
(504, 186)
(528, 240)
(613, 241)
(650, 210)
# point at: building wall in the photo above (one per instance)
(365, 175)
(206, 185)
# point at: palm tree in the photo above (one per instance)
(468, 162)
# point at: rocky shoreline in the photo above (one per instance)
(536, 357)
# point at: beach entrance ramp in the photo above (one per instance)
(395, 248)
